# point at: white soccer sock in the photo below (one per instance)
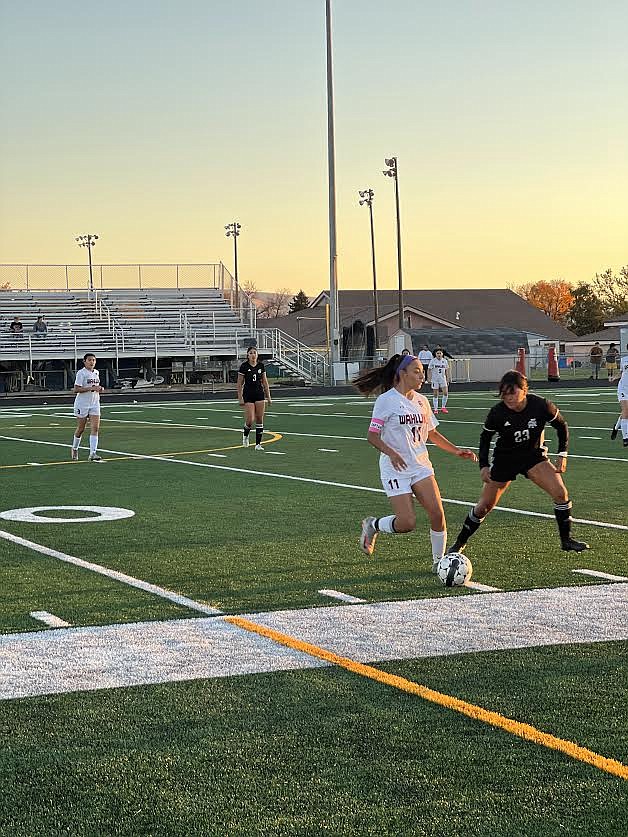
(93, 444)
(618, 424)
(439, 541)
(435, 402)
(624, 428)
(444, 400)
(385, 524)
(76, 443)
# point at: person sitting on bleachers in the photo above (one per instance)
(40, 327)
(16, 326)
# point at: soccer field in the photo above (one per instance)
(375, 701)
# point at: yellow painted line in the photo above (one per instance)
(525, 731)
(275, 437)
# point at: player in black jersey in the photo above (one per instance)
(519, 420)
(253, 392)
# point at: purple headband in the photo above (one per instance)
(405, 361)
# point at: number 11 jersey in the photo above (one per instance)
(403, 424)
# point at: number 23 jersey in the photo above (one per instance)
(403, 424)
(519, 433)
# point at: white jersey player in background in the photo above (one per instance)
(438, 373)
(402, 423)
(87, 406)
(622, 397)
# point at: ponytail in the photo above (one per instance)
(378, 379)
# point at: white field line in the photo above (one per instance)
(482, 588)
(218, 455)
(328, 450)
(343, 597)
(114, 574)
(311, 481)
(325, 435)
(597, 574)
(49, 619)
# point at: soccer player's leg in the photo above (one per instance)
(249, 418)
(427, 493)
(94, 422)
(546, 477)
(81, 421)
(259, 424)
(402, 520)
(445, 397)
(491, 493)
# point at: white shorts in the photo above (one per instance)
(439, 383)
(400, 482)
(84, 412)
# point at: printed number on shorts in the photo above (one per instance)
(394, 484)
(522, 435)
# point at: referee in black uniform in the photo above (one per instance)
(519, 421)
(253, 392)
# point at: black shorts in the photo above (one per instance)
(506, 468)
(253, 396)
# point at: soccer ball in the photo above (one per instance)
(454, 569)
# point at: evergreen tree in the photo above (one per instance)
(299, 303)
(588, 312)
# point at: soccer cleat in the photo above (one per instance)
(93, 457)
(444, 410)
(435, 566)
(626, 443)
(369, 535)
(570, 545)
(74, 454)
(245, 441)
(614, 432)
(435, 410)
(259, 447)
(456, 547)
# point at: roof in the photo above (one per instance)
(464, 341)
(466, 308)
(606, 335)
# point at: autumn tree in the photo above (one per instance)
(275, 304)
(587, 313)
(299, 302)
(554, 298)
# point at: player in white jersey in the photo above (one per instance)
(87, 406)
(622, 397)
(438, 373)
(402, 423)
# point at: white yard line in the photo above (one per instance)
(113, 574)
(343, 597)
(597, 574)
(482, 588)
(49, 619)
(311, 481)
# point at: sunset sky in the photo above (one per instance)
(156, 123)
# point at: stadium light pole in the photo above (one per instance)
(392, 171)
(334, 315)
(366, 197)
(233, 229)
(88, 241)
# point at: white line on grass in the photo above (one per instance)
(482, 588)
(218, 455)
(343, 597)
(328, 450)
(49, 619)
(597, 574)
(114, 574)
(310, 480)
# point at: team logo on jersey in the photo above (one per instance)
(506, 424)
(417, 418)
(532, 423)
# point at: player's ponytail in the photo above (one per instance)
(379, 379)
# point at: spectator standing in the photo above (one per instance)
(40, 328)
(595, 355)
(425, 355)
(439, 348)
(612, 358)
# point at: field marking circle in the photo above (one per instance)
(33, 514)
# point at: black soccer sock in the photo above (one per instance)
(246, 431)
(470, 526)
(563, 518)
(259, 432)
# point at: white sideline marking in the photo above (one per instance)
(344, 597)
(483, 588)
(597, 574)
(49, 619)
(218, 455)
(368, 488)
(275, 452)
(590, 437)
(34, 463)
(328, 450)
(114, 574)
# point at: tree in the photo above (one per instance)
(249, 288)
(553, 298)
(275, 304)
(612, 289)
(587, 313)
(6, 286)
(299, 302)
